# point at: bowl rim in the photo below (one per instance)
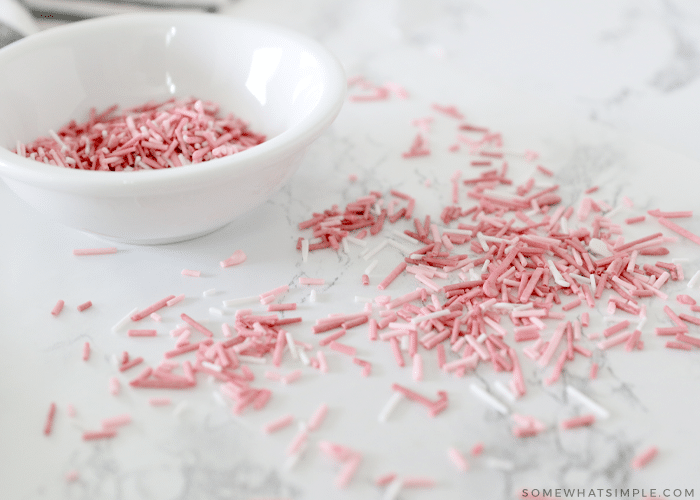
(17, 168)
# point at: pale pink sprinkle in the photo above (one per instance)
(84, 306)
(458, 459)
(86, 351)
(175, 300)
(317, 418)
(72, 476)
(156, 317)
(238, 257)
(352, 177)
(57, 308)
(159, 401)
(94, 251)
(114, 386)
(418, 482)
(417, 367)
(271, 375)
(278, 424)
(322, 363)
(291, 377)
(141, 333)
(70, 410)
(477, 449)
(342, 348)
(311, 281)
(531, 155)
(117, 421)
(189, 272)
(385, 479)
(297, 442)
(644, 457)
(348, 471)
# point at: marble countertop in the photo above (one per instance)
(603, 94)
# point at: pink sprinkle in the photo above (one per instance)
(643, 458)
(581, 421)
(291, 377)
(311, 281)
(86, 351)
(141, 333)
(189, 272)
(236, 258)
(477, 449)
(342, 348)
(48, 426)
(175, 300)
(594, 371)
(385, 479)
(322, 363)
(545, 171)
(94, 435)
(114, 386)
(115, 422)
(94, 251)
(197, 326)
(417, 482)
(277, 424)
(72, 476)
(57, 308)
(417, 367)
(348, 471)
(153, 308)
(686, 299)
(84, 306)
(634, 220)
(159, 401)
(680, 230)
(298, 441)
(458, 459)
(317, 418)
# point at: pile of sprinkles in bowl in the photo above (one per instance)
(153, 136)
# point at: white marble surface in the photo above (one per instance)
(606, 93)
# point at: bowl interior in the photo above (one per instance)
(272, 78)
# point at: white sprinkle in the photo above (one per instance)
(423, 317)
(181, 407)
(371, 267)
(211, 366)
(392, 491)
(504, 391)
(209, 293)
(242, 300)
(291, 345)
(312, 296)
(400, 247)
(368, 255)
(124, 321)
(216, 311)
(293, 459)
(488, 399)
(585, 400)
(692, 281)
(390, 406)
(356, 241)
(498, 463)
(303, 357)
(365, 300)
(558, 278)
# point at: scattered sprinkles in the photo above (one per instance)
(502, 283)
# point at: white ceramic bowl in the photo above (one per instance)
(285, 85)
